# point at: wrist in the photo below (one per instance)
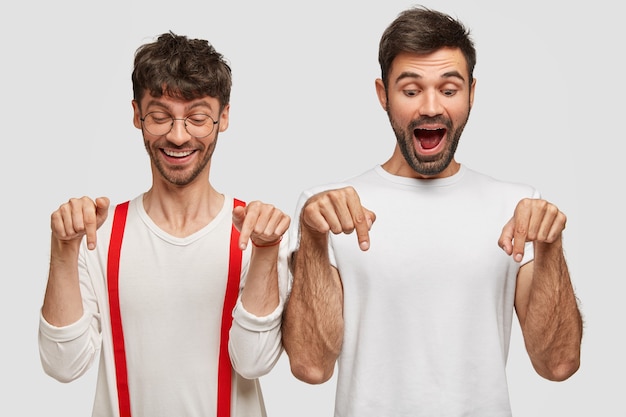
(266, 245)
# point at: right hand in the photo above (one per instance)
(79, 217)
(338, 211)
(261, 223)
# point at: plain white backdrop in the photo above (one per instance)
(548, 110)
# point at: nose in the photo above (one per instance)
(178, 134)
(431, 104)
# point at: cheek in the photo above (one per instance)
(459, 113)
(401, 112)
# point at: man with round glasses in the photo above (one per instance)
(160, 123)
(165, 289)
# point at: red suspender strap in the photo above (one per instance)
(232, 292)
(113, 268)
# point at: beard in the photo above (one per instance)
(427, 165)
(178, 175)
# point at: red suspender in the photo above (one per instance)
(113, 269)
(224, 384)
(230, 298)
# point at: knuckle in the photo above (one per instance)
(348, 227)
(521, 229)
(552, 209)
(525, 202)
(309, 210)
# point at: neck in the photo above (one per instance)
(181, 211)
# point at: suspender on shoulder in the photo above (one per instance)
(224, 384)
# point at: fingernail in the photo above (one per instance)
(364, 245)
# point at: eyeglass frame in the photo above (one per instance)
(184, 120)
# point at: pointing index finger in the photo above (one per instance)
(520, 232)
(91, 224)
(363, 220)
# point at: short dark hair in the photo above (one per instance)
(422, 30)
(180, 67)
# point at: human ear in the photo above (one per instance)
(224, 118)
(381, 92)
(136, 114)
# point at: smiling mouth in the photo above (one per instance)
(177, 154)
(429, 138)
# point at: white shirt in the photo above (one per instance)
(171, 299)
(428, 308)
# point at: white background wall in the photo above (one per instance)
(548, 102)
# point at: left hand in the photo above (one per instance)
(261, 223)
(534, 220)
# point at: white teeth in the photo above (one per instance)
(177, 154)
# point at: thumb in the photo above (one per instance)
(102, 209)
(506, 237)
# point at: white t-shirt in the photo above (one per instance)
(428, 308)
(171, 299)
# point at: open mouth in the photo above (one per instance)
(429, 138)
(177, 154)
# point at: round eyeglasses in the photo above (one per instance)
(159, 123)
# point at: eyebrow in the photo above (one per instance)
(200, 103)
(410, 74)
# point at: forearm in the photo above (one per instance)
(260, 295)
(552, 324)
(313, 320)
(62, 303)
(68, 352)
(255, 342)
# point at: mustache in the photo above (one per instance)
(424, 120)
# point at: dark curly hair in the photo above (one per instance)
(180, 67)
